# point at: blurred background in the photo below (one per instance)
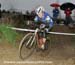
(21, 14)
(23, 5)
(20, 8)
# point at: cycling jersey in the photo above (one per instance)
(45, 18)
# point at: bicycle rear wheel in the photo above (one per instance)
(27, 46)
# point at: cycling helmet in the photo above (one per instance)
(39, 9)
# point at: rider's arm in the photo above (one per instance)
(49, 21)
(36, 19)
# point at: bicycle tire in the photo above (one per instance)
(27, 51)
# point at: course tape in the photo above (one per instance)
(29, 30)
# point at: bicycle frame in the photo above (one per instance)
(35, 34)
(36, 37)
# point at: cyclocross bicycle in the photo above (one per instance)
(30, 42)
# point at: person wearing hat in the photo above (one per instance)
(44, 17)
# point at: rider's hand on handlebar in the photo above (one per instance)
(46, 29)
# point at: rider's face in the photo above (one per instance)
(40, 14)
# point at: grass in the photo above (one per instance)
(7, 33)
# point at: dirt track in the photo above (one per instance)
(61, 51)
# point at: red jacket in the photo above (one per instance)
(68, 12)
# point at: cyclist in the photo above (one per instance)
(44, 17)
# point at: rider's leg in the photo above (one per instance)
(42, 40)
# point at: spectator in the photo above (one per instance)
(68, 16)
(55, 14)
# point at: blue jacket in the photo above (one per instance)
(45, 18)
(55, 13)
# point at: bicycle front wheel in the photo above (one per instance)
(27, 46)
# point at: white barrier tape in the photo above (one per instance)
(20, 29)
(28, 30)
(61, 33)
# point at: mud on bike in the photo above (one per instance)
(30, 41)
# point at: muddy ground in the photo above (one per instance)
(61, 50)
